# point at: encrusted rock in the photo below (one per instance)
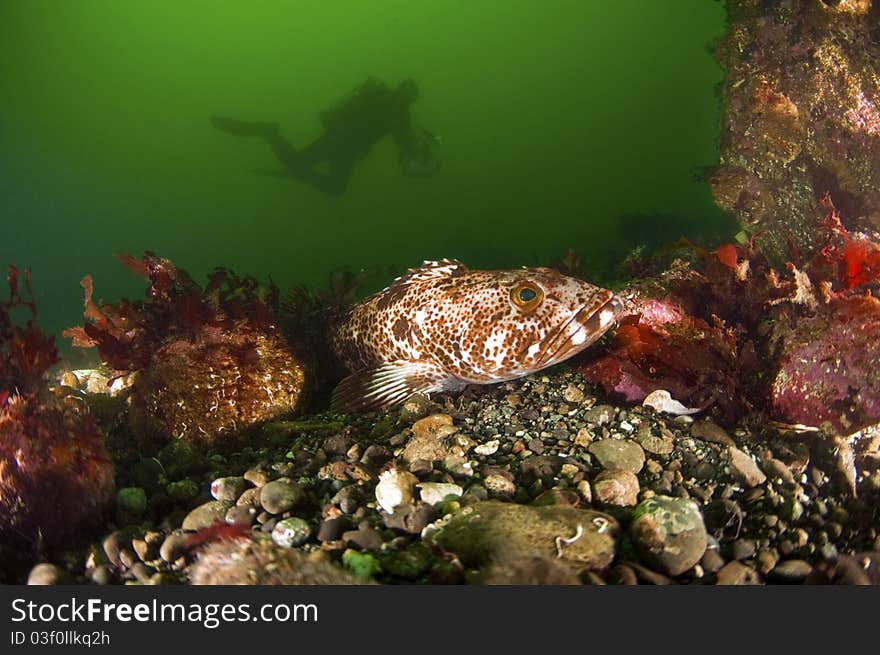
(262, 562)
(496, 531)
(669, 533)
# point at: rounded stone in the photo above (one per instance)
(434, 492)
(173, 547)
(669, 533)
(616, 488)
(281, 495)
(241, 515)
(395, 489)
(45, 574)
(291, 532)
(228, 489)
(205, 515)
(498, 485)
(618, 455)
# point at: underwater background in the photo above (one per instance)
(566, 124)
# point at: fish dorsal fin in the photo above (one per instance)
(432, 270)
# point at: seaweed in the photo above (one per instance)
(207, 361)
(56, 476)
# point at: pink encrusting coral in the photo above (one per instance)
(207, 362)
(56, 477)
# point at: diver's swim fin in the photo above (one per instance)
(244, 128)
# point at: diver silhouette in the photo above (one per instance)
(350, 130)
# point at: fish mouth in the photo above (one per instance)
(580, 331)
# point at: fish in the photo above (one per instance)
(442, 326)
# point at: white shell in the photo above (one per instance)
(662, 401)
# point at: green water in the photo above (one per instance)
(557, 117)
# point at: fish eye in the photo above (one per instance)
(526, 296)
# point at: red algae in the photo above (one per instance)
(744, 341)
(207, 362)
(56, 477)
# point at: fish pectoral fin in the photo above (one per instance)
(389, 384)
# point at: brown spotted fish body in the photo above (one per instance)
(443, 326)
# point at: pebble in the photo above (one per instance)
(205, 514)
(585, 491)
(619, 488)
(395, 489)
(415, 408)
(583, 437)
(488, 448)
(669, 533)
(348, 498)
(331, 529)
(499, 485)
(744, 469)
(45, 574)
(433, 439)
(146, 551)
(257, 476)
(776, 469)
(365, 537)
(711, 432)
(573, 394)
(102, 575)
(281, 495)
(241, 515)
(249, 498)
(430, 426)
(599, 415)
(654, 444)
(742, 549)
(113, 543)
(618, 455)
(542, 466)
(228, 489)
(766, 560)
(737, 573)
(291, 532)
(711, 561)
(435, 492)
(376, 456)
(142, 572)
(173, 547)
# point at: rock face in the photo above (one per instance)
(828, 368)
(493, 531)
(801, 118)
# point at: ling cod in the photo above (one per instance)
(443, 326)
